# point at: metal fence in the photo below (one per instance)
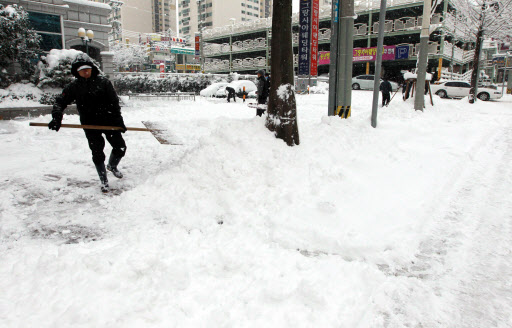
(180, 96)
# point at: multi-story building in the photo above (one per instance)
(164, 15)
(58, 21)
(129, 18)
(193, 14)
(245, 48)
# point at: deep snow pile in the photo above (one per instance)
(234, 228)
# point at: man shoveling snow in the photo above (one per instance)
(98, 104)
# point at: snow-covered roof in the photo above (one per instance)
(410, 75)
(90, 3)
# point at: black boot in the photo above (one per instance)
(113, 161)
(102, 173)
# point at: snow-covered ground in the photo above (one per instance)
(406, 225)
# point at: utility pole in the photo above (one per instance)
(346, 55)
(342, 49)
(378, 62)
(333, 68)
(421, 72)
(200, 23)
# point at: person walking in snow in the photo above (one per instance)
(231, 93)
(386, 88)
(262, 91)
(98, 104)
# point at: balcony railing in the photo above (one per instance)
(325, 13)
(249, 63)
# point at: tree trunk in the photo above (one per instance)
(282, 110)
(476, 63)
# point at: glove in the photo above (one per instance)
(56, 121)
(124, 127)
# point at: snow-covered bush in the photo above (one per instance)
(18, 44)
(154, 83)
(128, 55)
(170, 83)
(54, 69)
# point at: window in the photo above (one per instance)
(451, 84)
(464, 85)
(44, 22)
(49, 28)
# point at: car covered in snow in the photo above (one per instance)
(212, 89)
(460, 89)
(365, 82)
(239, 87)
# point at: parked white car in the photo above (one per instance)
(460, 89)
(240, 84)
(366, 82)
(212, 89)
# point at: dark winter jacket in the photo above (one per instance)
(386, 87)
(96, 100)
(262, 85)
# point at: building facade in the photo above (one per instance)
(196, 14)
(58, 21)
(164, 15)
(245, 48)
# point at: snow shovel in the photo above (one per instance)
(400, 87)
(160, 135)
(257, 106)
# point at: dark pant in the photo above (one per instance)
(386, 97)
(261, 101)
(231, 94)
(97, 143)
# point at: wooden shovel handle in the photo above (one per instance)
(92, 127)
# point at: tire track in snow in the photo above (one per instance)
(467, 260)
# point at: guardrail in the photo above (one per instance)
(163, 96)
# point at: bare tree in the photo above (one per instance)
(484, 19)
(282, 109)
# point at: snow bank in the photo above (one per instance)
(234, 228)
(409, 75)
(56, 56)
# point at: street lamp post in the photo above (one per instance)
(86, 38)
(200, 23)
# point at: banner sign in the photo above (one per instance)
(324, 58)
(315, 24)
(183, 51)
(402, 52)
(188, 67)
(197, 44)
(362, 54)
(304, 36)
(336, 5)
(370, 54)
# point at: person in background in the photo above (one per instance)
(262, 92)
(231, 93)
(97, 104)
(385, 88)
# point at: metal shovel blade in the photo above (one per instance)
(162, 135)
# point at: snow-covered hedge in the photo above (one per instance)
(54, 69)
(26, 95)
(154, 83)
(18, 44)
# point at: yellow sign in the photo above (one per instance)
(188, 67)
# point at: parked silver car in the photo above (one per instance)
(366, 82)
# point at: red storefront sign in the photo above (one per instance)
(315, 23)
